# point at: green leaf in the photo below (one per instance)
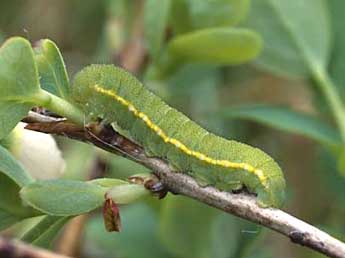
(156, 24)
(185, 227)
(108, 182)
(204, 14)
(63, 197)
(7, 219)
(337, 63)
(52, 70)
(43, 233)
(10, 201)
(221, 46)
(12, 169)
(18, 82)
(180, 18)
(330, 173)
(20, 87)
(240, 233)
(11, 112)
(12, 177)
(293, 41)
(188, 15)
(287, 120)
(191, 229)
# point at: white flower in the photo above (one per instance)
(38, 153)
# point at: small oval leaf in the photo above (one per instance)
(12, 178)
(12, 169)
(18, 82)
(222, 46)
(63, 197)
(52, 70)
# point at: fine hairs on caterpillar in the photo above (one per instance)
(112, 94)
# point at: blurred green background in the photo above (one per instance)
(269, 102)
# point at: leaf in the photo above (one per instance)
(287, 120)
(184, 227)
(240, 233)
(10, 201)
(179, 18)
(330, 173)
(44, 231)
(18, 82)
(7, 219)
(191, 229)
(11, 113)
(221, 46)
(337, 63)
(7, 141)
(52, 69)
(204, 14)
(293, 42)
(12, 169)
(108, 182)
(156, 24)
(63, 197)
(12, 177)
(188, 15)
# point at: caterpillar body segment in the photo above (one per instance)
(111, 93)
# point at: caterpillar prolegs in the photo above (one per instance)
(114, 95)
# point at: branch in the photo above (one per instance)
(17, 249)
(241, 205)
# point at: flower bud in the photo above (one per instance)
(37, 152)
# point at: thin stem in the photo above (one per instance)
(59, 106)
(332, 96)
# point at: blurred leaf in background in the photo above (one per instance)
(189, 228)
(293, 122)
(187, 15)
(293, 43)
(337, 64)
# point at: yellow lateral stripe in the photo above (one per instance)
(223, 163)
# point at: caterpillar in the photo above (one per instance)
(114, 95)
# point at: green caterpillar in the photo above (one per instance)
(114, 95)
